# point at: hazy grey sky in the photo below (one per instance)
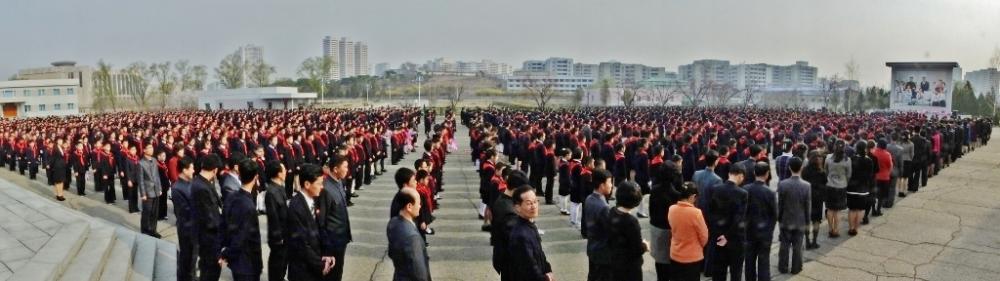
(654, 32)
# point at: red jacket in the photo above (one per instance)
(884, 160)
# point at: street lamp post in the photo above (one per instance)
(419, 79)
(367, 87)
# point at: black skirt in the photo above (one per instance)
(836, 198)
(858, 202)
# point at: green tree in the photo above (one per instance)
(316, 71)
(260, 74)
(105, 96)
(605, 91)
(578, 96)
(166, 81)
(230, 71)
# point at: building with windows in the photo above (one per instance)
(40, 97)
(124, 85)
(984, 81)
(526, 80)
(255, 98)
(622, 74)
(443, 66)
(758, 75)
(251, 56)
(350, 58)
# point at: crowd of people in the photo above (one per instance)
(222, 169)
(715, 184)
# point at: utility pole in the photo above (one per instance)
(419, 78)
(367, 87)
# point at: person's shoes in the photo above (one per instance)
(642, 215)
(156, 235)
(901, 195)
(486, 227)
(361, 188)
(864, 221)
(782, 271)
(429, 231)
(82, 193)
(541, 232)
(481, 217)
(877, 214)
(549, 203)
(834, 235)
(564, 212)
(795, 272)
(163, 219)
(812, 246)
(60, 198)
(349, 204)
(852, 232)
(355, 195)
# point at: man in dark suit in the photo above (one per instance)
(105, 172)
(187, 230)
(595, 210)
(726, 218)
(277, 221)
(527, 259)
(407, 247)
(503, 216)
(335, 232)
(762, 214)
(208, 207)
(794, 205)
(305, 214)
(241, 241)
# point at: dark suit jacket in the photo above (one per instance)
(180, 194)
(794, 203)
(304, 260)
(336, 226)
(277, 213)
(727, 210)
(527, 259)
(241, 242)
(407, 250)
(762, 211)
(207, 207)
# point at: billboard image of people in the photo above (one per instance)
(924, 87)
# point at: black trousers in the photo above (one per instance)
(549, 182)
(133, 199)
(109, 189)
(758, 260)
(728, 261)
(208, 263)
(246, 277)
(790, 239)
(535, 179)
(81, 183)
(150, 214)
(277, 262)
(600, 272)
(162, 208)
(33, 170)
(290, 183)
(663, 272)
(685, 271)
(337, 272)
(187, 256)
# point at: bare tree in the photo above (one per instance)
(230, 71)
(456, 90)
(663, 94)
(541, 90)
(852, 71)
(829, 92)
(750, 94)
(138, 75)
(720, 94)
(166, 81)
(630, 94)
(316, 70)
(695, 92)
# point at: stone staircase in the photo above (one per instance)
(74, 246)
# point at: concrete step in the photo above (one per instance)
(166, 261)
(119, 264)
(52, 259)
(144, 262)
(89, 262)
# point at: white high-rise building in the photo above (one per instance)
(350, 58)
(251, 56)
(796, 76)
(984, 80)
(361, 59)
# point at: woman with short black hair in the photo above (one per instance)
(625, 235)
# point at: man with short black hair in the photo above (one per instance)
(407, 248)
(277, 220)
(726, 215)
(595, 210)
(794, 205)
(761, 216)
(187, 230)
(241, 241)
(335, 232)
(208, 208)
(305, 213)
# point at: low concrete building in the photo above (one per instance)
(40, 98)
(255, 98)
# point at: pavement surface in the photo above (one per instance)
(950, 230)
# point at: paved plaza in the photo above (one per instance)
(950, 230)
